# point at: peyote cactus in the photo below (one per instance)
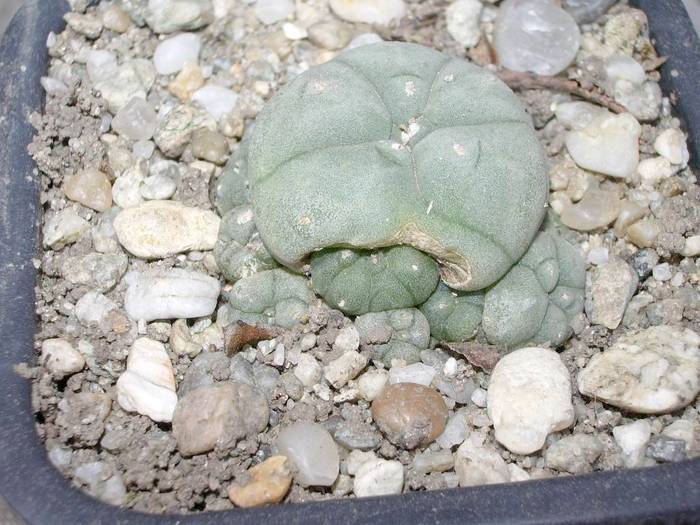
(393, 166)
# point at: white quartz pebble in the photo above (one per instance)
(101, 64)
(65, 227)
(135, 121)
(692, 246)
(312, 453)
(379, 12)
(608, 145)
(529, 397)
(633, 439)
(271, 11)
(172, 54)
(60, 358)
(346, 367)
(158, 229)
(308, 371)
(372, 383)
(535, 35)
(364, 39)
(148, 384)
(170, 294)
(463, 18)
(216, 100)
(347, 340)
(671, 145)
(378, 477)
(651, 371)
(418, 373)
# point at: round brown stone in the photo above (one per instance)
(410, 415)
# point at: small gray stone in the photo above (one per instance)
(356, 435)
(136, 120)
(217, 416)
(574, 454)
(587, 11)
(99, 271)
(644, 261)
(664, 448)
(609, 288)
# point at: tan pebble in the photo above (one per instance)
(596, 209)
(116, 19)
(270, 483)
(672, 186)
(210, 146)
(90, 188)
(643, 233)
(630, 213)
(410, 415)
(188, 80)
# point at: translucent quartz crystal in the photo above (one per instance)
(312, 453)
(136, 120)
(535, 35)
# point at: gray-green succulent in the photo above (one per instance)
(394, 167)
(395, 334)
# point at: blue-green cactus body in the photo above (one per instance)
(359, 281)
(398, 144)
(273, 297)
(453, 315)
(396, 334)
(238, 251)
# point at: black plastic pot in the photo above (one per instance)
(38, 494)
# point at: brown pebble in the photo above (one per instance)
(90, 188)
(410, 415)
(270, 483)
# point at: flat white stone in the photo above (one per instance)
(158, 229)
(378, 477)
(135, 121)
(651, 371)
(633, 439)
(463, 18)
(172, 54)
(455, 431)
(671, 144)
(312, 453)
(65, 227)
(347, 340)
(308, 371)
(477, 463)
(609, 288)
(60, 358)
(692, 246)
(415, 373)
(93, 307)
(147, 386)
(216, 100)
(171, 294)
(364, 39)
(578, 115)
(379, 12)
(271, 11)
(535, 35)
(341, 370)
(529, 397)
(608, 145)
(101, 64)
(372, 383)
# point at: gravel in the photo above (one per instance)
(145, 104)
